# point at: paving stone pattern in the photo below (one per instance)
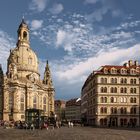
(76, 133)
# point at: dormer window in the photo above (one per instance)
(132, 71)
(113, 71)
(105, 70)
(123, 71)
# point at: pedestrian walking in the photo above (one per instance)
(46, 125)
(32, 126)
(71, 124)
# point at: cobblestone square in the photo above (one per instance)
(65, 133)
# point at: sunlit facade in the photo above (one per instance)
(21, 88)
(110, 96)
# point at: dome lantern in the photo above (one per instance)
(23, 34)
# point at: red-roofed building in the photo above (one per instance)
(110, 96)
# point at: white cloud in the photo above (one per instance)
(57, 8)
(65, 39)
(36, 24)
(38, 5)
(106, 6)
(85, 49)
(60, 37)
(81, 70)
(6, 43)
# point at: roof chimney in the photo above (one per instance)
(136, 63)
(130, 62)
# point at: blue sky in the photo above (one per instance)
(76, 36)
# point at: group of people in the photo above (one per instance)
(16, 124)
(70, 124)
(32, 125)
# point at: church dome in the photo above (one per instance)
(22, 59)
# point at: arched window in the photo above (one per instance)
(131, 90)
(105, 80)
(112, 100)
(105, 110)
(133, 110)
(102, 80)
(125, 90)
(124, 110)
(102, 99)
(25, 35)
(121, 81)
(111, 90)
(115, 80)
(44, 103)
(115, 110)
(105, 99)
(121, 110)
(134, 81)
(102, 110)
(105, 121)
(105, 89)
(101, 122)
(34, 102)
(124, 99)
(115, 90)
(115, 99)
(131, 100)
(134, 100)
(121, 99)
(112, 110)
(121, 90)
(102, 89)
(135, 91)
(22, 102)
(125, 80)
(131, 81)
(112, 80)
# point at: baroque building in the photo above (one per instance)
(21, 88)
(111, 96)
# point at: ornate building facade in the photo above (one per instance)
(21, 88)
(111, 96)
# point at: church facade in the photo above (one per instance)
(21, 88)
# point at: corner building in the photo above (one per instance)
(21, 88)
(111, 96)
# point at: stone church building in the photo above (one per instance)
(21, 88)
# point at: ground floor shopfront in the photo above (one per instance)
(112, 121)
